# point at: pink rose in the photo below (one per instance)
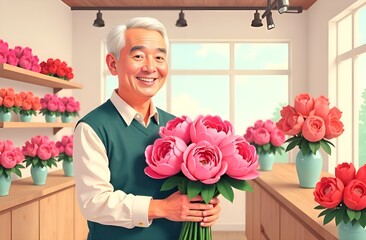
(261, 136)
(345, 172)
(249, 134)
(304, 104)
(3, 56)
(241, 158)
(8, 159)
(61, 107)
(291, 122)
(277, 137)
(44, 152)
(313, 129)
(12, 58)
(269, 125)
(354, 195)
(178, 127)
(202, 161)
(329, 192)
(70, 107)
(258, 124)
(210, 128)
(25, 62)
(65, 140)
(164, 157)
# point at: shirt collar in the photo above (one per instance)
(128, 113)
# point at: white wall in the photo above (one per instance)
(46, 27)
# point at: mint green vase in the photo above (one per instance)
(266, 161)
(347, 231)
(50, 118)
(39, 175)
(66, 119)
(5, 116)
(308, 168)
(25, 118)
(68, 168)
(5, 183)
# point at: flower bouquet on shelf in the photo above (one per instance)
(69, 108)
(9, 102)
(50, 107)
(40, 152)
(201, 157)
(343, 198)
(19, 56)
(310, 123)
(30, 105)
(57, 68)
(65, 148)
(268, 141)
(11, 158)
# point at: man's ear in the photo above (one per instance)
(111, 63)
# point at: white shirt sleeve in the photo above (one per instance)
(98, 201)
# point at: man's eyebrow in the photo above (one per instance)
(139, 47)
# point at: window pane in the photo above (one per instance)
(194, 95)
(160, 99)
(253, 101)
(203, 56)
(111, 83)
(345, 34)
(258, 56)
(360, 22)
(361, 99)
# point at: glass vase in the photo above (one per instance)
(308, 168)
(5, 183)
(68, 167)
(266, 161)
(39, 175)
(347, 231)
(5, 116)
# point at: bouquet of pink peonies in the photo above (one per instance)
(40, 151)
(65, 148)
(11, 158)
(201, 157)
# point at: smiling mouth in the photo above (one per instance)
(149, 80)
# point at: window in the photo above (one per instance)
(351, 85)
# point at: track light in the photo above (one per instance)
(283, 5)
(257, 21)
(181, 22)
(270, 23)
(98, 22)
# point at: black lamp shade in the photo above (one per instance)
(257, 21)
(99, 22)
(181, 22)
(270, 23)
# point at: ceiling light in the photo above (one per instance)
(181, 22)
(283, 5)
(99, 22)
(270, 23)
(257, 21)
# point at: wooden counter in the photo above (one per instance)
(42, 212)
(280, 209)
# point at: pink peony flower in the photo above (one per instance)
(69, 149)
(277, 138)
(8, 159)
(44, 152)
(30, 149)
(178, 127)
(261, 136)
(6, 145)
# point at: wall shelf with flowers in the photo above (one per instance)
(23, 75)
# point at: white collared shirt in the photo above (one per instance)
(98, 201)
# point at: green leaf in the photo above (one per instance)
(34, 161)
(293, 142)
(208, 192)
(314, 146)
(182, 187)
(225, 189)
(193, 188)
(362, 219)
(324, 144)
(171, 183)
(304, 147)
(325, 212)
(17, 171)
(319, 207)
(239, 184)
(329, 216)
(357, 215)
(266, 146)
(351, 214)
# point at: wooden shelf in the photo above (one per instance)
(27, 76)
(56, 126)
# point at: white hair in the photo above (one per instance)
(116, 39)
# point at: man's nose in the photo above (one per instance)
(149, 65)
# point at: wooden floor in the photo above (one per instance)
(219, 235)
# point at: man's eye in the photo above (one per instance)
(160, 59)
(138, 57)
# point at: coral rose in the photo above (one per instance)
(313, 129)
(361, 173)
(355, 195)
(328, 192)
(304, 104)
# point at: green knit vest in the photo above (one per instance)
(125, 147)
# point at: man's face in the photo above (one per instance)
(142, 66)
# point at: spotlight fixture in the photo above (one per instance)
(283, 5)
(99, 22)
(257, 21)
(270, 23)
(181, 22)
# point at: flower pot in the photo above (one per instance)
(308, 168)
(5, 183)
(39, 175)
(68, 168)
(25, 118)
(266, 161)
(66, 119)
(5, 116)
(347, 231)
(50, 118)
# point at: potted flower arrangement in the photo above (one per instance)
(310, 123)
(268, 141)
(343, 198)
(65, 148)
(201, 157)
(9, 102)
(57, 68)
(40, 152)
(50, 107)
(19, 56)
(11, 158)
(69, 108)
(30, 105)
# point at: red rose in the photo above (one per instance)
(361, 174)
(355, 195)
(346, 172)
(61, 71)
(328, 192)
(69, 75)
(52, 69)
